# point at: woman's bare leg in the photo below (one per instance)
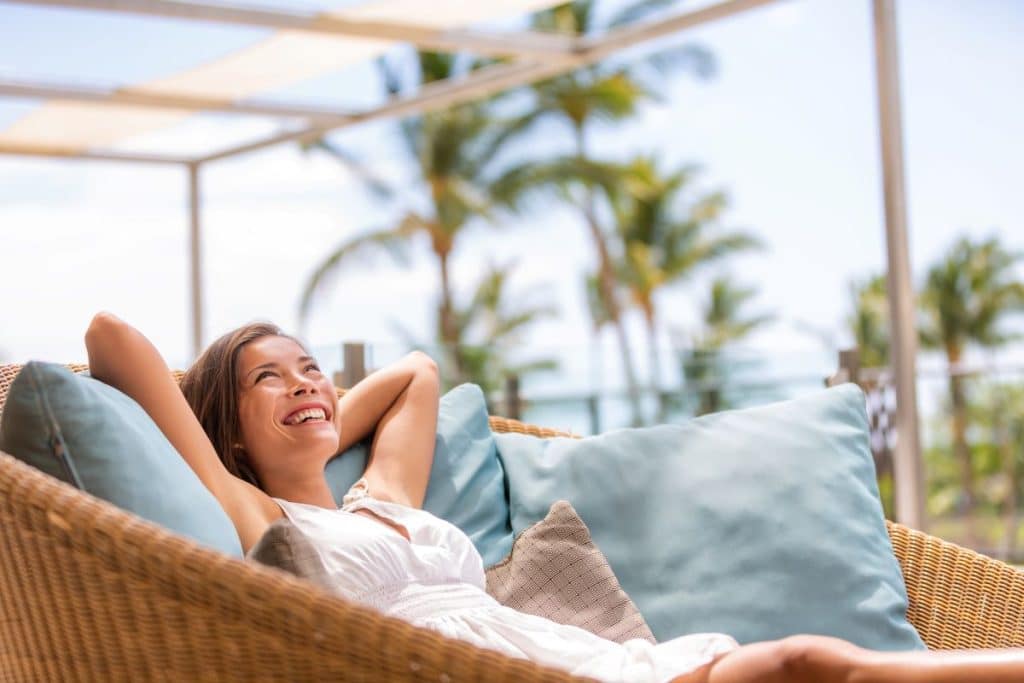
(821, 659)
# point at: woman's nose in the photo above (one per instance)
(304, 386)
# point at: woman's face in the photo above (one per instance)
(286, 406)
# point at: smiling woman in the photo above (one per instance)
(233, 419)
(277, 419)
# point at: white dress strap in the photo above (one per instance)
(358, 498)
(358, 491)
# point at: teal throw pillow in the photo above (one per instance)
(467, 483)
(94, 437)
(759, 523)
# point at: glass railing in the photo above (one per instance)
(587, 394)
(972, 438)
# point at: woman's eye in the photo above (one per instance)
(313, 366)
(262, 375)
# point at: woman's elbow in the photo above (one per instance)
(423, 364)
(102, 324)
(424, 368)
(102, 339)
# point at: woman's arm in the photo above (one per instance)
(362, 406)
(119, 355)
(399, 404)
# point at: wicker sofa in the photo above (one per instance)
(90, 592)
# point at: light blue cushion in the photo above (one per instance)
(759, 523)
(96, 438)
(467, 484)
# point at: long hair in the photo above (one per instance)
(211, 388)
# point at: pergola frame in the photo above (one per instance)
(530, 56)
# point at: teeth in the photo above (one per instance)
(314, 413)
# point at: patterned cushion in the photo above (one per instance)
(556, 571)
(285, 546)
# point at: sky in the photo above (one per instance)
(787, 127)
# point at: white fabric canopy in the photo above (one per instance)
(282, 59)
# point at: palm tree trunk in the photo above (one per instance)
(606, 282)
(705, 362)
(713, 395)
(652, 347)
(449, 333)
(961, 450)
(596, 364)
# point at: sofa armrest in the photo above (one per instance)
(91, 592)
(959, 598)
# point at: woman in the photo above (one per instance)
(268, 422)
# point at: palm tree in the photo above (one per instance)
(490, 328)
(666, 237)
(1008, 435)
(869, 320)
(597, 307)
(602, 92)
(453, 151)
(723, 322)
(998, 412)
(966, 298)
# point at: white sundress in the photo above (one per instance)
(437, 581)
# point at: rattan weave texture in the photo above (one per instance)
(89, 592)
(959, 598)
(92, 593)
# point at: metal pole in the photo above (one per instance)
(848, 369)
(195, 259)
(513, 402)
(139, 97)
(354, 359)
(908, 470)
(49, 151)
(594, 413)
(533, 44)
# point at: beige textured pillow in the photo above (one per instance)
(556, 571)
(285, 546)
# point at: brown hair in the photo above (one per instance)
(211, 388)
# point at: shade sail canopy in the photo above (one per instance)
(96, 122)
(284, 58)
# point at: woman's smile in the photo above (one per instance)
(308, 413)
